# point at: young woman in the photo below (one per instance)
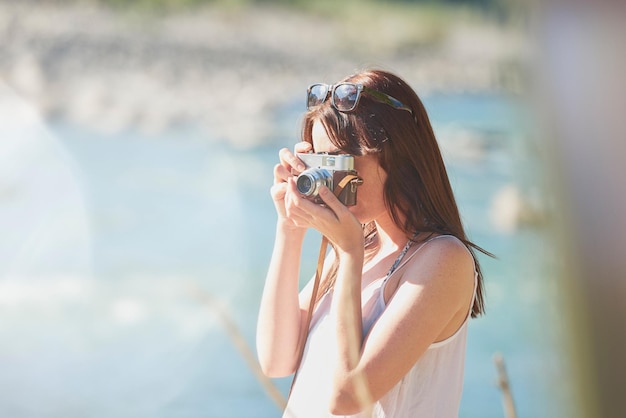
(388, 332)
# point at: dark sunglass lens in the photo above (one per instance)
(345, 97)
(317, 95)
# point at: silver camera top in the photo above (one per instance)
(338, 162)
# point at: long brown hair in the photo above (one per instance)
(417, 190)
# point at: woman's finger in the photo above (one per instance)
(331, 201)
(308, 209)
(290, 161)
(298, 209)
(281, 174)
(278, 190)
(303, 147)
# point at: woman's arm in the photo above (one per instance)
(346, 307)
(280, 315)
(431, 302)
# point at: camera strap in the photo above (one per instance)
(304, 333)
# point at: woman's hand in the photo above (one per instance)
(289, 166)
(334, 219)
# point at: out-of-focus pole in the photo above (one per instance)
(581, 60)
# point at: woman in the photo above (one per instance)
(388, 333)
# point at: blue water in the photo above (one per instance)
(112, 239)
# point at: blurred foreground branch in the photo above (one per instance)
(505, 387)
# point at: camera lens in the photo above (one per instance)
(309, 181)
(305, 184)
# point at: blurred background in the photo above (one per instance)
(137, 142)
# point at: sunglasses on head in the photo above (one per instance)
(345, 96)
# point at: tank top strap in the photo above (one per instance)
(408, 257)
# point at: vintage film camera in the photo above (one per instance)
(328, 170)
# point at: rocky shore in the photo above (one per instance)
(228, 70)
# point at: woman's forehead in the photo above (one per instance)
(321, 141)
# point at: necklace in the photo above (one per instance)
(401, 255)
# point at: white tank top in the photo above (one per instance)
(431, 389)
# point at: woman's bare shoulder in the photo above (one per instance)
(444, 257)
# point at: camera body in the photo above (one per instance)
(327, 170)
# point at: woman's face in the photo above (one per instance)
(370, 203)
